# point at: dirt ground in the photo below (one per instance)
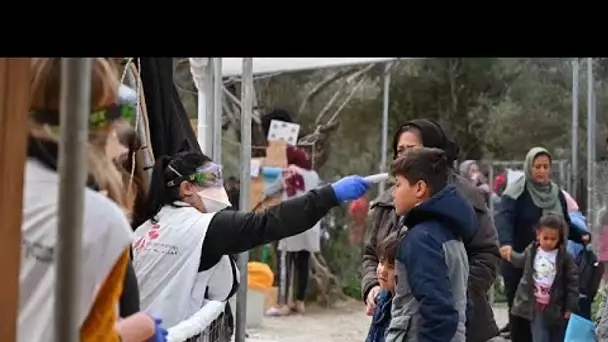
(346, 322)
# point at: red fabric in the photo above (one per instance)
(358, 209)
(298, 157)
(292, 182)
(499, 182)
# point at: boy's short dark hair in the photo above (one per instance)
(553, 221)
(423, 164)
(386, 250)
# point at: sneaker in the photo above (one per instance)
(278, 311)
(299, 307)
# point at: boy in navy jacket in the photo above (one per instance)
(430, 301)
(386, 251)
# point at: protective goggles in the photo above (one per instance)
(209, 176)
(99, 119)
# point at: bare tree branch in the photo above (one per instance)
(322, 85)
(229, 112)
(361, 72)
(346, 100)
(330, 103)
(231, 96)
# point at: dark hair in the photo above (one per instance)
(387, 248)
(431, 134)
(160, 194)
(423, 164)
(553, 221)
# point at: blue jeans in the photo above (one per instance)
(543, 332)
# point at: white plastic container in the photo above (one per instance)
(255, 307)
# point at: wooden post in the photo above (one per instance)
(14, 107)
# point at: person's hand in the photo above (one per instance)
(586, 238)
(350, 188)
(567, 315)
(370, 301)
(160, 333)
(505, 252)
(476, 176)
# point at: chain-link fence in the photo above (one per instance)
(597, 194)
(560, 171)
(212, 323)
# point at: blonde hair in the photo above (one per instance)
(45, 95)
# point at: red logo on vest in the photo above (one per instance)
(152, 234)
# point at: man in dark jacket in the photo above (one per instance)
(482, 249)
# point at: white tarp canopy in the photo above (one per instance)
(234, 66)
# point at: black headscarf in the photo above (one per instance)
(432, 135)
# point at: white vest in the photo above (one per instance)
(105, 236)
(166, 257)
(309, 240)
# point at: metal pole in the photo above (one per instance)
(197, 69)
(246, 112)
(574, 142)
(385, 104)
(75, 103)
(217, 110)
(590, 140)
(208, 88)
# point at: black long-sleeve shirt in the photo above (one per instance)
(233, 232)
(129, 299)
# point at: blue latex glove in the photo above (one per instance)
(350, 188)
(160, 333)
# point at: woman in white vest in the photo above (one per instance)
(181, 253)
(106, 233)
(295, 251)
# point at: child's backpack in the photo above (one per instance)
(590, 272)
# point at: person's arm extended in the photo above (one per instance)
(370, 260)
(518, 260)
(232, 232)
(427, 274)
(484, 256)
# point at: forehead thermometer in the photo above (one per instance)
(377, 178)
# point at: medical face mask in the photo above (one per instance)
(214, 199)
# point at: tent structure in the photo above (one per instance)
(234, 66)
(208, 76)
(209, 72)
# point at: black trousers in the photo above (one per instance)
(520, 327)
(299, 264)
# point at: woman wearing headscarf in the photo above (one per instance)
(469, 169)
(482, 248)
(522, 205)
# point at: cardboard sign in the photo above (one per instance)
(283, 131)
(276, 156)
